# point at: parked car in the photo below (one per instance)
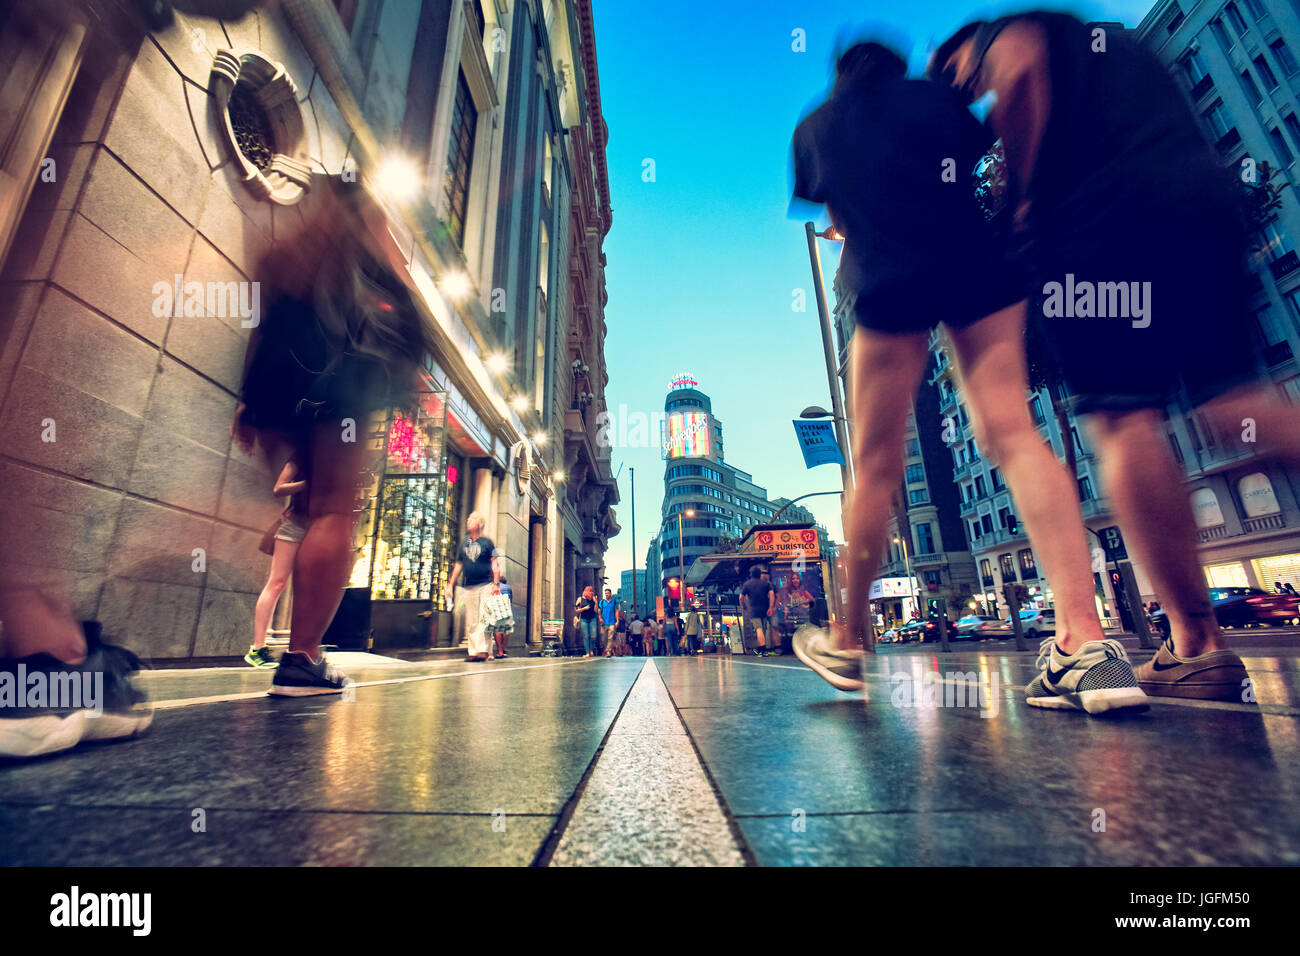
(1037, 623)
(913, 631)
(981, 627)
(1241, 607)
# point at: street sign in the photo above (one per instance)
(788, 545)
(817, 441)
(1113, 542)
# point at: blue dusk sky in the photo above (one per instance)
(704, 259)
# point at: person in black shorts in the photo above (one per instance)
(1113, 181)
(892, 160)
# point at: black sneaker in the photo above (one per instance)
(47, 705)
(298, 676)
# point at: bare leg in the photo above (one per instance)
(325, 557)
(35, 622)
(991, 358)
(281, 567)
(886, 370)
(1146, 489)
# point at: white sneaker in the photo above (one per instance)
(1098, 678)
(842, 669)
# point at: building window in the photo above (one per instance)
(1193, 67)
(915, 473)
(1004, 517)
(1293, 127)
(924, 539)
(986, 572)
(912, 448)
(1254, 8)
(1174, 446)
(1220, 34)
(1036, 410)
(1218, 120)
(1028, 567)
(1235, 18)
(980, 491)
(986, 523)
(1265, 72)
(974, 530)
(1291, 391)
(918, 497)
(1257, 496)
(1205, 508)
(1253, 94)
(1284, 57)
(1276, 241)
(1269, 329)
(418, 528)
(997, 479)
(1008, 568)
(460, 157)
(1284, 154)
(1174, 22)
(1085, 489)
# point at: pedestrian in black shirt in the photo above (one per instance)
(479, 573)
(758, 600)
(892, 160)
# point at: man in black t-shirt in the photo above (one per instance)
(477, 569)
(892, 160)
(757, 600)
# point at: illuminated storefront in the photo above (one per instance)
(407, 536)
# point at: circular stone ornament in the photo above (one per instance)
(260, 119)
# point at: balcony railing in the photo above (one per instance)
(1277, 353)
(1228, 140)
(1263, 523)
(1284, 265)
(1203, 86)
(1213, 533)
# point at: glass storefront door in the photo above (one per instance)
(407, 553)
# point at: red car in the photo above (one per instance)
(1238, 607)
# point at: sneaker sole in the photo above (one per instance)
(37, 736)
(291, 691)
(837, 681)
(1104, 701)
(1188, 690)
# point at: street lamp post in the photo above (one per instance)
(907, 563)
(681, 558)
(832, 379)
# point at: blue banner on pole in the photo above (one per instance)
(817, 440)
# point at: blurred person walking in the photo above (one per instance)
(891, 159)
(341, 342)
(635, 630)
(1112, 180)
(503, 626)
